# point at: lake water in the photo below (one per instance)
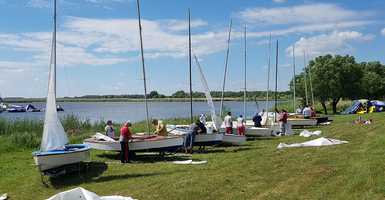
(134, 111)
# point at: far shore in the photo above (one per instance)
(30, 100)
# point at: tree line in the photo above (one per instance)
(182, 94)
(335, 77)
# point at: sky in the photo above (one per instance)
(98, 42)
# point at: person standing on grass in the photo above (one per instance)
(109, 129)
(228, 123)
(125, 136)
(257, 119)
(241, 125)
(282, 120)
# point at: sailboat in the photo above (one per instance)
(233, 138)
(211, 138)
(298, 120)
(141, 141)
(55, 151)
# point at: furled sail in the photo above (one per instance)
(216, 120)
(54, 136)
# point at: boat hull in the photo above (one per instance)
(234, 139)
(55, 159)
(208, 139)
(155, 144)
(302, 122)
(258, 132)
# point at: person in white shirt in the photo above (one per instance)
(241, 125)
(228, 123)
(306, 112)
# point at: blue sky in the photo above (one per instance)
(98, 42)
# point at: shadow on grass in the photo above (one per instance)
(224, 149)
(146, 157)
(78, 174)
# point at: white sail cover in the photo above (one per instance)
(313, 143)
(54, 136)
(83, 194)
(216, 120)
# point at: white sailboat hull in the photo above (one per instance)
(54, 160)
(302, 122)
(208, 139)
(234, 139)
(163, 144)
(258, 132)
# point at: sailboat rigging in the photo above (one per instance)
(225, 71)
(143, 68)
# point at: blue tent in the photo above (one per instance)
(353, 108)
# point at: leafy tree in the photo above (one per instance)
(153, 94)
(180, 94)
(333, 77)
(373, 81)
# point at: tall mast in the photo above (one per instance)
(189, 59)
(225, 73)
(305, 74)
(268, 76)
(245, 75)
(294, 99)
(311, 85)
(54, 44)
(143, 68)
(276, 77)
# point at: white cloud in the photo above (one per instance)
(309, 13)
(383, 32)
(84, 41)
(179, 25)
(332, 43)
(311, 28)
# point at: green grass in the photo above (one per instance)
(255, 171)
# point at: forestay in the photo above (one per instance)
(54, 136)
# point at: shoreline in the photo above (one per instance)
(38, 100)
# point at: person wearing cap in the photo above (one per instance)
(160, 128)
(125, 136)
(109, 129)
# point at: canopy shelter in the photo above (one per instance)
(365, 106)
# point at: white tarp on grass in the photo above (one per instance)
(190, 162)
(306, 133)
(83, 194)
(313, 143)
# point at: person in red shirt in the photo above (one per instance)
(125, 136)
(282, 120)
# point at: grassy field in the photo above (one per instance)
(254, 171)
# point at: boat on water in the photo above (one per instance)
(31, 108)
(55, 152)
(16, 109)
(140, 143)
